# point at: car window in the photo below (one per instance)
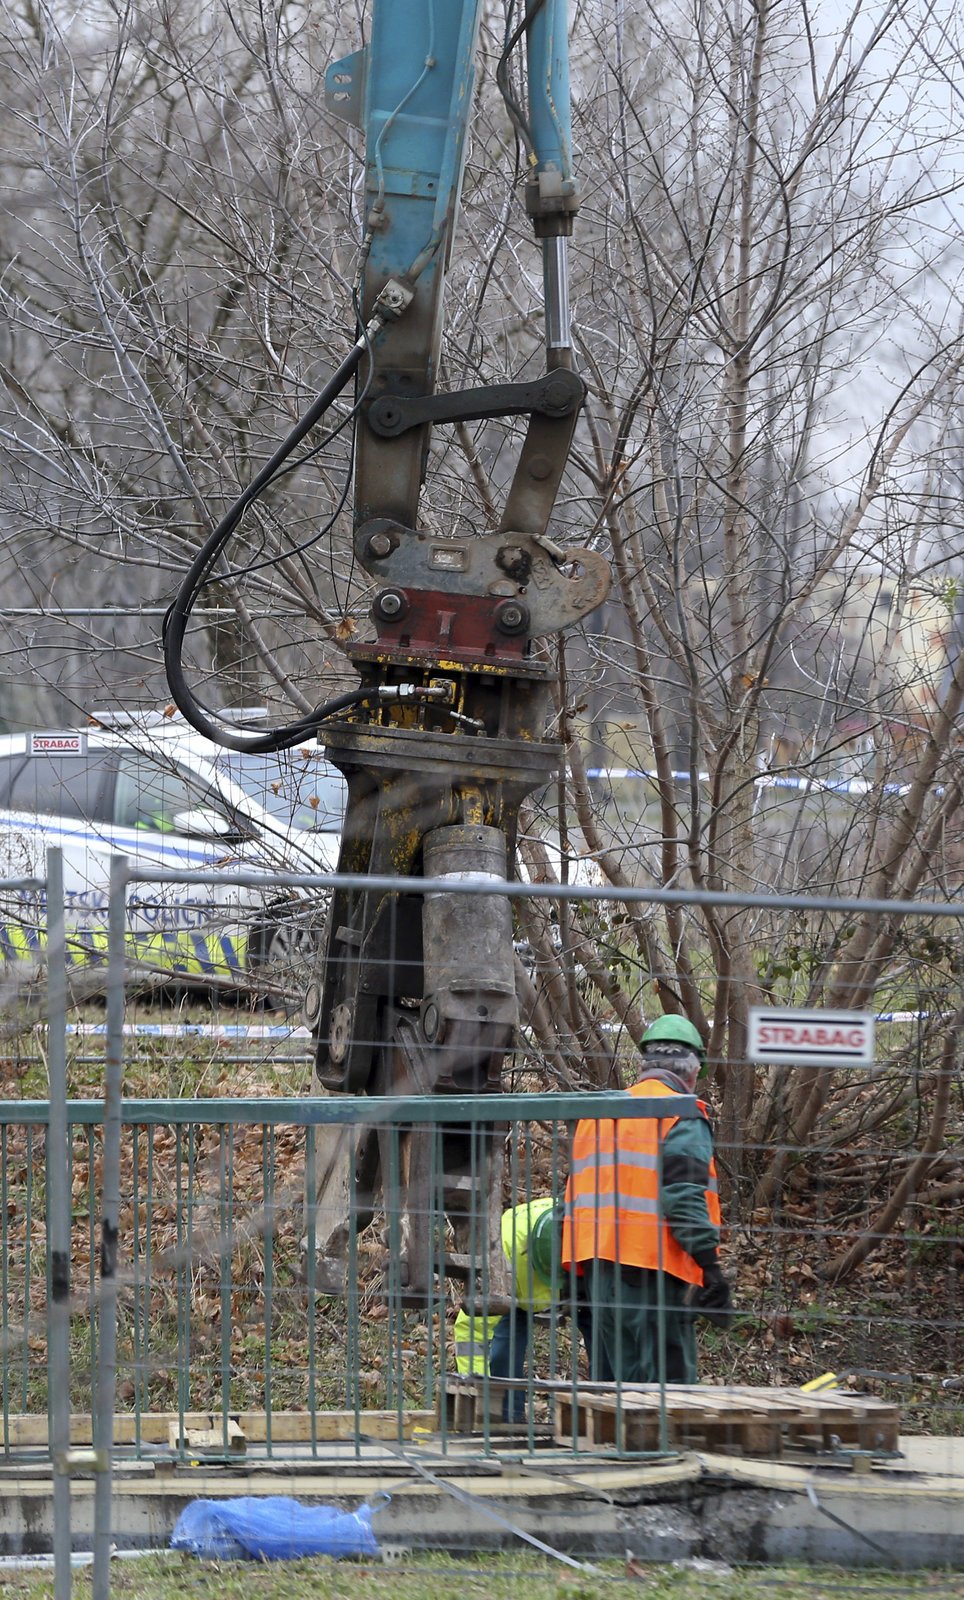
(150, 794)
(64, 786)
(300, 789)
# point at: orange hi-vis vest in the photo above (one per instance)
(612, 1197)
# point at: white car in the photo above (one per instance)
(156, 791)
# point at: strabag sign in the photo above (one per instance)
(58, 744)
(811, 1038)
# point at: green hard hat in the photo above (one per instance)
(674, 1030)
(545, 1243)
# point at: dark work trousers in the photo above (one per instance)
(600, 1370)
(626, 1308)
(509, 1347)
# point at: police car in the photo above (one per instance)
(154, 790)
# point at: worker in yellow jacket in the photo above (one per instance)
(498, 1345)
(531, 1239)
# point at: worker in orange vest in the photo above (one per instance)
(642, 1202)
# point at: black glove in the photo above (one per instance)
(712, 1300)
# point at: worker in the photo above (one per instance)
(642, 1202)
(498, 1345)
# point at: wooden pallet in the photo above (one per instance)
(739, 1420)
(474, 1405)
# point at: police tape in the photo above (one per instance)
(764, 780)
(230, 1033)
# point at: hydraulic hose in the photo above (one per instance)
(178, 616)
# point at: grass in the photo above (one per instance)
(487, 1577)
(166, 1068)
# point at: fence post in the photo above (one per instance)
(58, 1222)
(110, 1212)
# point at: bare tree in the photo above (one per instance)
(173, 296)
(767, 293)
(775, 390)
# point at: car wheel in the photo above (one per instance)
(285, 955)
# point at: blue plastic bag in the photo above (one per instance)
(271, 1528)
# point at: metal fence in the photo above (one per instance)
(219, 1311)
(162, 1266)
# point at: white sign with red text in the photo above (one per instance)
(58, 744)
(811, 1038)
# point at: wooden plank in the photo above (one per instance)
(638, 1427)
(287, 1427)
(31, 1432)
(828, 1400)
(463, 1413)
(603, 1422)
(570, 1424)
(295, 1427)
(473, 1404)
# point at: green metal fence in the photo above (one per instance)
(218, 1309)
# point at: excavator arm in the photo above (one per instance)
(417, 994)
(444, 736)
(411, 91)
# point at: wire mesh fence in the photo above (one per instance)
(218, 1308)
(221, 1308)
(244, 1260)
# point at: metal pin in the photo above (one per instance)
(555, 275)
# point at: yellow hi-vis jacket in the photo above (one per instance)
(473, 1332)
(472, 1336)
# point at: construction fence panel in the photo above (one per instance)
(222, 1330)
(841, 1196)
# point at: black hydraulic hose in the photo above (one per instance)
(516, 116)
(178, 616)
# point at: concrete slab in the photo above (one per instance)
(943, 1456)
(900, 1514)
